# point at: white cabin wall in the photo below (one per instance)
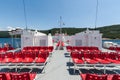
(88, 38)
(26, 39)
(50, 40)
(30, 38)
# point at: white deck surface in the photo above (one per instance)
(57, 68)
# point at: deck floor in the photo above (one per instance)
(58, 68)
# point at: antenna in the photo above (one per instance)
(60, 37)
(60, 24)
(96, 15)
(25, 15)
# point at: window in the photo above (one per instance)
(42, 43)
(78, 42)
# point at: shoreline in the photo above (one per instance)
(109, 39)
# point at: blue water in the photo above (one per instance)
(14, 42)
(115, 41)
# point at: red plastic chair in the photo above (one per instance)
(2, 56)
(28, 57)
(101, 58)
(77, 57)
(50, 48)
(113, 58)
(41, 58)
(9, 57)
(69, 48)
(18, 57)
(95, 77)
(23, 76)
(89, 58)
(116, 77)
(3, 76)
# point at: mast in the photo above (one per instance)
(96, 15)
(60, 24)
(25, 15)
(60, 36)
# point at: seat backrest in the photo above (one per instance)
(9, 55)
(116, 77)
(91, 77)
(23, 76)
(18, 55)
(96, 77)
(75, 54)
(3, 76)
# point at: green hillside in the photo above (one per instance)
(112, 32)
(4, 34)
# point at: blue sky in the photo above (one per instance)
(44, 14)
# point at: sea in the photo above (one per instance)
(16, 42)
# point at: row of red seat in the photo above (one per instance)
(79, 48)
(100, 77)
(20, 57)
(94, 58)
(60, 43)
(17, 76)
(114, 48)
(5, 49)
(38, 48)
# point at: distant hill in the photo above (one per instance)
(112, 31)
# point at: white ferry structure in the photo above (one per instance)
(41, 58)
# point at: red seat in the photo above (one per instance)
(23, 76)
(28, 57)
(3, 76)
(93, 77)
(69, 48)
(60, 43)
(9, 57)
(41, 58)
(50, 48)
(113, 57)
(2, 56)
(43, 48)
(89, 58)
(78, 61)
(18, 57)
(3, 50)
(77, 57)
(101, 58)
(116, 77)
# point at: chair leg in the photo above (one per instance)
(104, 69)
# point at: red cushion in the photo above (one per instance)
(7, 60)
(3, 76)
(40, 60)
(28, 60)
(78, 61)
(23, 76)
(116, 77)
(91, 77)
(109, 77)
(102, 77)
(83, 76)
(102, 61)
(32, 76)
(18, 60)
(91, 61)
(95, 77)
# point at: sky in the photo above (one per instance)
(45, 14)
